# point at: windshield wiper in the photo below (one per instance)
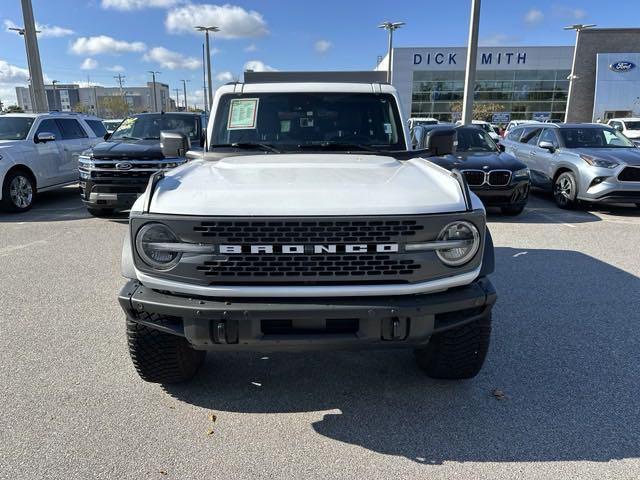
(338, 146)
(265, 147)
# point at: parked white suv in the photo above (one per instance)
(629, 127)
(40, 152)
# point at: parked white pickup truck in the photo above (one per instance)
(307, 224)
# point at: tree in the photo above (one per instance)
(481, 111)
(82, 108)
(114, 107)
(14, 109)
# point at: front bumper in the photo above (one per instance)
(514, 194)
(120, 194)
(610, 189)
(312, 323)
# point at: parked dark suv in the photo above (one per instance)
(115, 172)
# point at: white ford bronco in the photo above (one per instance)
(307, 223)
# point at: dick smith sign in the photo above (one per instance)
(487, 58)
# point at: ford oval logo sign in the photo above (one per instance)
(623, 66)
(123, 166)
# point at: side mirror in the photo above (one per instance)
(618, 128)
(174, 144)
(500, 147)
(440, 141)
(107, 136)
(547, 146)
(44, 137)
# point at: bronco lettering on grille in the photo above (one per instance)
(309, 249)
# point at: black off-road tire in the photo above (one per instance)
(458, 353)
(100, 212)
(512, 210)
(161, 357)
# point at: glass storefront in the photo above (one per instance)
(521, 93)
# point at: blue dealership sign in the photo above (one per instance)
(500, 117)
(622, 66)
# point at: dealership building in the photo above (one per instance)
(525, 82)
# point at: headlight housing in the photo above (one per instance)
(461, 230)
(597, 162)
(524, 172)
(86, 161)
(149, 245)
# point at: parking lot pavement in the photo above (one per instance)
(564, 353)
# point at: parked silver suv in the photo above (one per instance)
(39, 151)
(589, 162)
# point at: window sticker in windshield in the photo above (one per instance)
(243, 113)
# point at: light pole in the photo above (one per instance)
(20, 31)
(472, 60)
(206, 31)
(204, 82)
(390, 27)
(184, 86)
(33, 58)
(177, 90)
(578, 27)
(155, 101)
(55, 99)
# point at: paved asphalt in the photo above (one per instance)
(565, 352)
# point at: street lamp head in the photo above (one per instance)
(391, 25)
(207, 29)
(579, 26)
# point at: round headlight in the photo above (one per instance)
(454, 257)
(151, 244)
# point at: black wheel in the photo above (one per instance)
(565, 190)
(161, 357)
(18, 192)
(100, 212)
(457, 353)
(512, 209)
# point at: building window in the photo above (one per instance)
(518, 92)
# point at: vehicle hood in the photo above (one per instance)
(630, 156)
(479, 160)
(307, 184)
(128, 150)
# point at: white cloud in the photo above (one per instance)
(89, 64)
(12, 74)
(46, 31)
(499, 40)
(137, 4)
(533, 16)
(321, 46)
(224, 77)
(85, 84)
(233, 21)
(251, 48)
(104, 44)
(568, 13)
(258, 66)
(116, 68)
(171, 60)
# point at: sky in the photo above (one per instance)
(91, 41)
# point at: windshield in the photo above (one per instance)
(15, 128)
(594, 137)
(295, 121)
(484, 126)
(148, 127)
(474, 140)
(632, 125)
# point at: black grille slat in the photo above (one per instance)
(630, 174)
(474, 179)
(499, 178)
(321, 231)
(336, 265)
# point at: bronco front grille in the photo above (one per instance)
(325, 267)
(347, 231)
